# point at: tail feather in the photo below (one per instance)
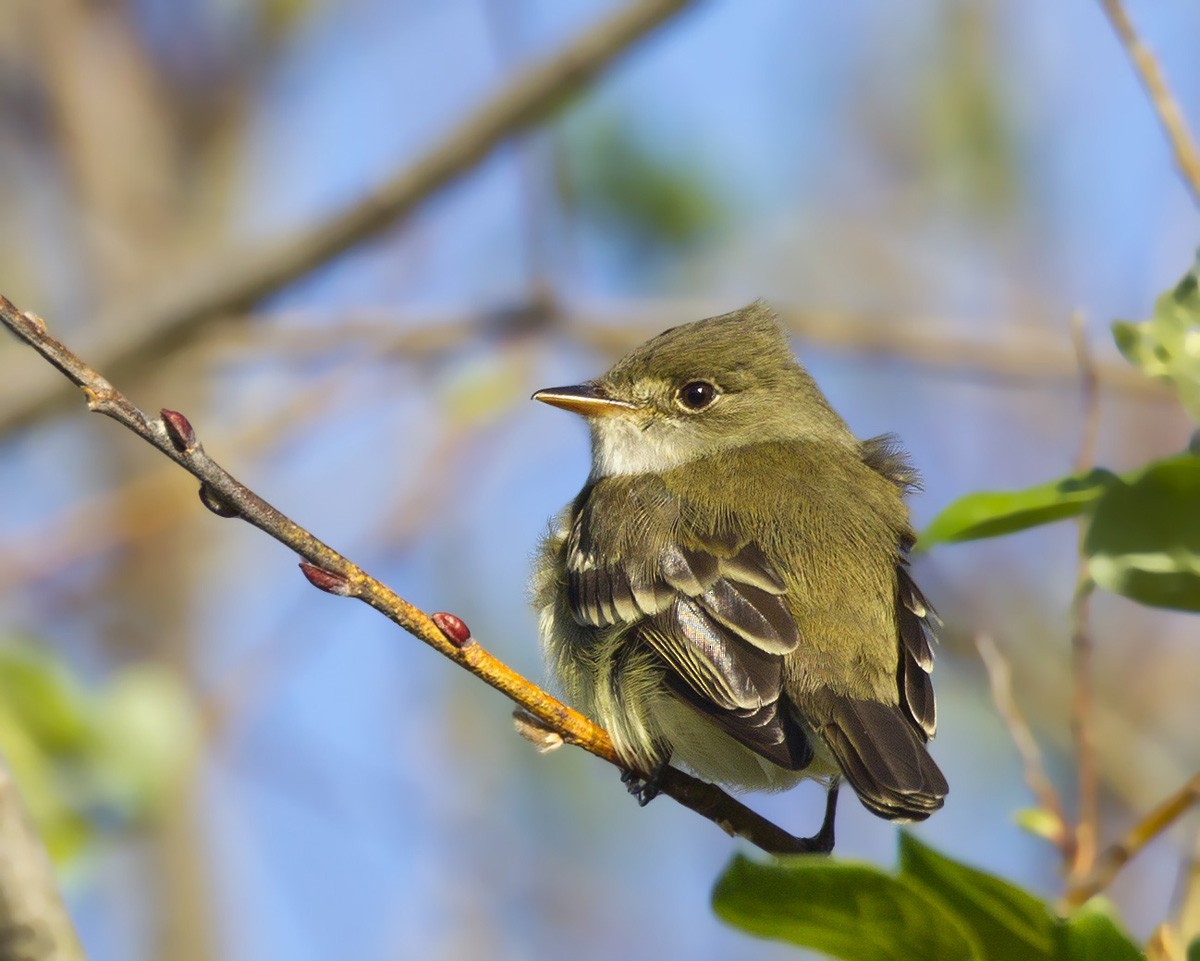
(881, 755)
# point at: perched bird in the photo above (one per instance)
(730, 590)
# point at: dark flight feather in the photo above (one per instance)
(882, 756)
(916, 654)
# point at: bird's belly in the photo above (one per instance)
(713, 755)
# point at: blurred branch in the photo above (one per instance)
(1121, 853)
(233, 282)
(1089, 387)
(1188, 919)
(1083, 727)
(1083, 714)
(328, 570)
(34, 924)
(1165, 105)
(1039, 783)
(1016, 360)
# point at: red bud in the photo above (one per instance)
(179, 429)
(324, 580)
(457, 632)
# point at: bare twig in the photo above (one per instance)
(328, 570)
(1089, 388)
(232, 283)
(1082, 728)
(1116, 857)
(1083, 720)
(34, 925)
(1187, 921)
(1036, 779)
(1018, 360)
(1169, 115)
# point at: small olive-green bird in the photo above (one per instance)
(730, 590)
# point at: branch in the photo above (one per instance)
(1142, 833)
(1020, 359)
(1082, 727)
(1169, 115)
(34, 925)
(1036, 779)
(234, 282)
(172, 435)
(1083, 712)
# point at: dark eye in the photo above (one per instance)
(697, 395)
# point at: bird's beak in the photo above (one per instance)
(589, 400)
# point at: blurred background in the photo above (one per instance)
(228, 764)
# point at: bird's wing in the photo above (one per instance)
(915, 616)
(711, 608)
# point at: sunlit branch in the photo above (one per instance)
(172, 435)
(1165, 105)
(1116, 857)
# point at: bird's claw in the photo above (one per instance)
(645, 789)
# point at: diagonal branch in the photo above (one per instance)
(1036, 778)
(233, 282)
(1141, 834)
(34, 924)
(172, 435)
(1187, 157)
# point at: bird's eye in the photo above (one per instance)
(697, 395)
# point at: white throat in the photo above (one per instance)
(624, 446)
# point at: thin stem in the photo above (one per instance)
(1038, 781)
(1165, 106)
(1116, 857)
(1082, 728)
(172, 435)
(1082, 702)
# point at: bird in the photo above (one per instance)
(730, 591)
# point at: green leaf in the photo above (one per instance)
(624, 180)
(1092, 934)
(1167, 346)
(992, 513)
(1039, 822)
(82, 756)
(1144, 538)
(146, 731)
(1009, 923)
(1193, 951)
(50, 704)
(846, 910)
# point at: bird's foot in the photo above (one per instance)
(822, 841)
(646, 789)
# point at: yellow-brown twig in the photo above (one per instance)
(1169, 115)
(172, 435)
(1116, 857)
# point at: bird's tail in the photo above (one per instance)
(880, 753)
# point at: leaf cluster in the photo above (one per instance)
(1142, 527)
(931, 907)
(88, 761)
